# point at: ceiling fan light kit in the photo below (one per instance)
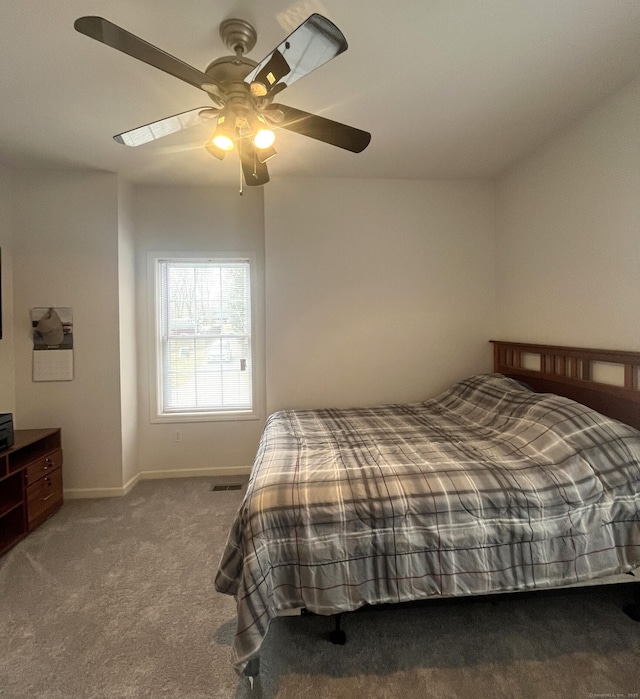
(225, 133)
(264, 154)
(215, 151)
(242, 91)
(263, 136)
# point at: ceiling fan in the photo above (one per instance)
(242, 91)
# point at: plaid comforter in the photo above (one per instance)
(488, 487)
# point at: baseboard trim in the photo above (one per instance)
(87, 493)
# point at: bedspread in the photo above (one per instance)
(488, 487)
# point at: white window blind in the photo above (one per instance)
(204, 332)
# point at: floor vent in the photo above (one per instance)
(230, 486)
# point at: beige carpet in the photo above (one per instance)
(114, 598)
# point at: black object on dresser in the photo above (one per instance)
(30, 483)
(6, 430)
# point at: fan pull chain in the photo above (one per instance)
(240, 171)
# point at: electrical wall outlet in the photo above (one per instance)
(177, 436)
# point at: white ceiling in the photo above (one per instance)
(447, 88)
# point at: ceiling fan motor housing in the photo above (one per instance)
(230, 71)
(238, 36)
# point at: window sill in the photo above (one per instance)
(170, 418)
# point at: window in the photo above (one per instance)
(203, 339)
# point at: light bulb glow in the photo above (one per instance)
(264, 138)
(258, 89)
(223, 142)
(225, 131)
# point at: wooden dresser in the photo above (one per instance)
(30, 483)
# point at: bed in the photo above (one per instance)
(521, 479)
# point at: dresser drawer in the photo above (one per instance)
(43, 466)
(44, 497)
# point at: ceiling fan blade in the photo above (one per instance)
(315, 42)
(332, 132)
(120, 39)
(255, 172)
(267, 78)
(164, 127)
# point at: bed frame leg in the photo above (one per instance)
(632, 609)
(252, 669)
(338, 636)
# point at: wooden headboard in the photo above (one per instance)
(569, 371)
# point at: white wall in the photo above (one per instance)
(196, 219)
(65, 253)
(377, 291)
(7, 227)
(568, 240)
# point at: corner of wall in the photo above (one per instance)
(127, 337)
(7, 352)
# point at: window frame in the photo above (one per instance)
(156, 369)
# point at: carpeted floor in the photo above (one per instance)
(114, 598)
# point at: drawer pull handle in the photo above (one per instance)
(48, 496)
